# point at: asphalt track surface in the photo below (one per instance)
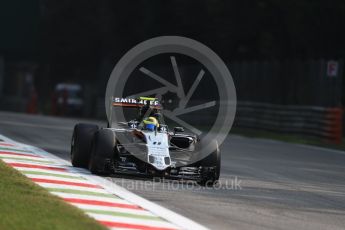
(264, 184)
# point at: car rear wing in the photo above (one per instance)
(137, 103)
(132, 103)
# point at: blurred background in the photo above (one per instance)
(286, 57)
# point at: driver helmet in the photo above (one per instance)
(151, 123)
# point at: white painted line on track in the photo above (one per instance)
(81, 180)
(87, 197)
(151, 223)
(60, 186)
(114, 209)
(17, 157)
(46, 171)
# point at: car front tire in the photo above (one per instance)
(102, 152)
(81, 144)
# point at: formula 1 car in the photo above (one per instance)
(130, 148)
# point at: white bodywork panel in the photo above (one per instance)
(158, 148)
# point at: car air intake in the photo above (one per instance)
(151, 159)
(181, 142)
(167, 160)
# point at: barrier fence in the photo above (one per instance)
(321, 122)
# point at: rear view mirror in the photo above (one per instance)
(178, 130)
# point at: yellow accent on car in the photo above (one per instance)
(148, 98)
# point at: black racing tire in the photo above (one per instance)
(213, 160)
(102, 153)
(81, 144)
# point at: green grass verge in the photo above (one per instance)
(288, 138)
(25, 205)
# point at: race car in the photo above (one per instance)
(144, 146)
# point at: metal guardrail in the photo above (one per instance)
(314, 121)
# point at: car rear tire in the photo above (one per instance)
(102, 152)
(211, 167)
(81, 144)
